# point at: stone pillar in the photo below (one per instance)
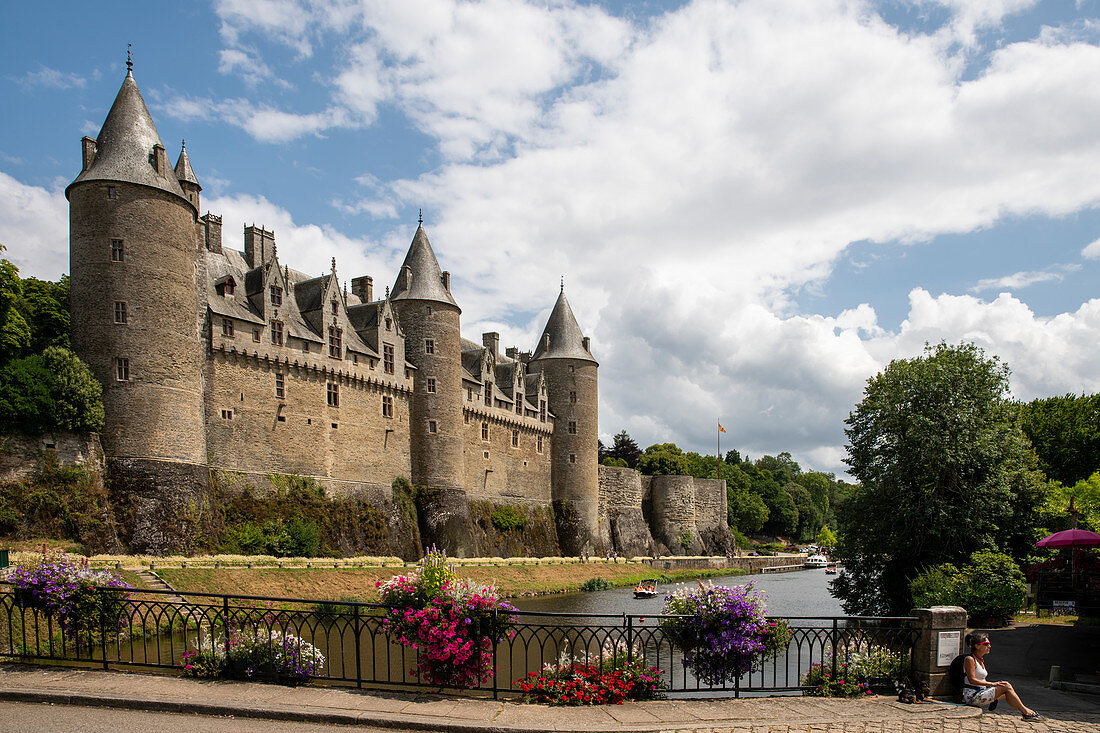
(942, 629)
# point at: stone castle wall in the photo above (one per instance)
(21, 456)
(250, 428)
(509, 474)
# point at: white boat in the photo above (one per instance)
(816, 561)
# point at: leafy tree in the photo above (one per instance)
(48, 391)
(664, 459)
(733, 457)
(1065, 432)
(944, 471)
(625, 448)
(782, 513)
(991, 588)
(810, 517)
(783, 467)
(45, 307)
(746, 510)
(614, 462)
(601, 450)
(826, 538)
(15, 334)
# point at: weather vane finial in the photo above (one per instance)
(183, 144)
(563, 283)
(129, 58)
(420, 220)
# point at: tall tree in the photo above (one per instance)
(1065, 432)
(625, 448)
(944, 470)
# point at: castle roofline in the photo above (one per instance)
(184, 171)
(125, 150)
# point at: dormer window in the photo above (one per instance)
(230, 287)
(225, 286)
(276, 295)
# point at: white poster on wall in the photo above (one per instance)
(947, 647)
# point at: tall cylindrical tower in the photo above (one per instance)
(564, 358)
(132, 264)
(429, 318)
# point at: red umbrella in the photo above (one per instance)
(1071, 538)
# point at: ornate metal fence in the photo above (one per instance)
(150, 631)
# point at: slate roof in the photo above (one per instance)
(427, 277)
(566, 339)
(125, 143)
(184, 172)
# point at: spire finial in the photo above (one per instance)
(387, 292)
(183, 144)
(274, 254)
(563, 283)
(334, 265)
(420, 220)
(129, 58)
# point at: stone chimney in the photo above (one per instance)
(491, 341)
(212, 231)
(363, 288)
(159, 159)
(512, 353)
(259, 245)
(447, 281)
(87, 152)
(586, 342)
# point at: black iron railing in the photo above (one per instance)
(148, 630)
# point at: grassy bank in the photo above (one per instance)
(359, 583)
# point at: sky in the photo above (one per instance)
(754, 205)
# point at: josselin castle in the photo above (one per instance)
(223, 366)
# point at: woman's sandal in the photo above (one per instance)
(1033, 716)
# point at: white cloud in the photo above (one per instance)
(247, 64)
(51, 79)
(264, 123)
(34, 226)
(1092, 251)
(1023, 279)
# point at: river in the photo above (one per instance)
(798, 593)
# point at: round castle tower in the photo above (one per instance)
(564, 358)
(132, 262)
(429, 317)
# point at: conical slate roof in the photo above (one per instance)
(566, 340)
(184, 171)
(426, 282)
(125, 144)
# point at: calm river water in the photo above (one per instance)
(800, 593)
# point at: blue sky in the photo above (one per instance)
(755, 205)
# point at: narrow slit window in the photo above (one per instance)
(280, 385)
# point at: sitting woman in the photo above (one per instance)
(979, 691)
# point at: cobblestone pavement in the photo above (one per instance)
(1061, 722)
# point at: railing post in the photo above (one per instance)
(941, 639)
(102, 627)
(358, 652)
(835, 642)
(493, 641)
(225, 626)
(630, 639)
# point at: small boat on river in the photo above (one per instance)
(646, 589)
(816, 561)
(830, 569)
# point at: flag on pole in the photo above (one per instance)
(722, 429)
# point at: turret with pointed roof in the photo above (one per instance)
(429, 317)
(133, 267)
(186, 176)
(564, 359)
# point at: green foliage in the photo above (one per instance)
(624, 449)
(615, 462)
(747, 511)
(51, 391)
(944, 470)
(1065, 433)
(685, 540)
(826, 538)
(58, 502)
(509, 518)
(595, 584)
(740, 539)
(34, 314)
(991, 588)
(663, 459)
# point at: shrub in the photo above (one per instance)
(595, 584)
(508, 518)
(255, 653)
(740, 539)
(618, 674)
(991, 588)
(720, 630)
(685, 540)
(823, 684)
